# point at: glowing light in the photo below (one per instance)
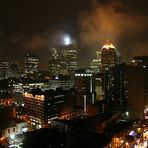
(12, 136)
(108, 45)
(126, 143)
(132, 133)
(127, 113)
(67, 40)
(25, 129)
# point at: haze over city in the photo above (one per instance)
(36, 26)
(74, 73)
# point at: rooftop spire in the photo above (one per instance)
(108, 44)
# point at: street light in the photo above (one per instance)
(127, 114)
(126, 144)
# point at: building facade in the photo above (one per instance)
(137, 104)
(115, 86)
(9, 69)
(63, 60)
(109, 55)
(42, 107)
(31, 64)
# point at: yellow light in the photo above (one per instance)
(108, 45)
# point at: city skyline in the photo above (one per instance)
(35, 27)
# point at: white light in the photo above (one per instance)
(40, 126)
(25, 129)
(127, 113)
(12, 136)
(67, 40)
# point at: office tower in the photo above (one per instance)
(137, 91)
(98, 84)
(9, 69)
(84, 86)
(5, 93)
(95, 64)
(140, 61)
(72, 61)
(115, 86)
(137, 104)
(31, 64)
(53, 64)
(63, 60)
(109, 55)
(41, 107)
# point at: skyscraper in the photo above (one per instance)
(137, 103)
(54, 65)
(63, 60)
(109, 55)
(115, 86)
(95, 64)
(31, 64)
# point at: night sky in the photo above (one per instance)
(34, 26)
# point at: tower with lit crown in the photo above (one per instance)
(109, 55)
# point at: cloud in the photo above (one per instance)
(37, 44)
(113, 20)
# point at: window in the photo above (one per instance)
(13, 129)
(9, 130)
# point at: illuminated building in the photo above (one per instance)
(5, 93)
(64, 82)
(95, 64)
(115, 86)
(72, 61)
(83, 86)
(109, 55)
(140, 61)
(31, 64)
(63, 60)
(41, 107)
(18, 91)
(137, 92)
(54, 65)
(9, 69)
(11, 128)
(99, 82)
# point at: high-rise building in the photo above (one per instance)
(137, 104)
(140, 61)
(109, 55)
(99, 83)
(115, 86)
(9, 69)
(63, 60)
(83, 86)
(31, 64)
(54, 63)
(95, 64)
(41, 107)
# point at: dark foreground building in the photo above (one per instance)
(137, 92)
